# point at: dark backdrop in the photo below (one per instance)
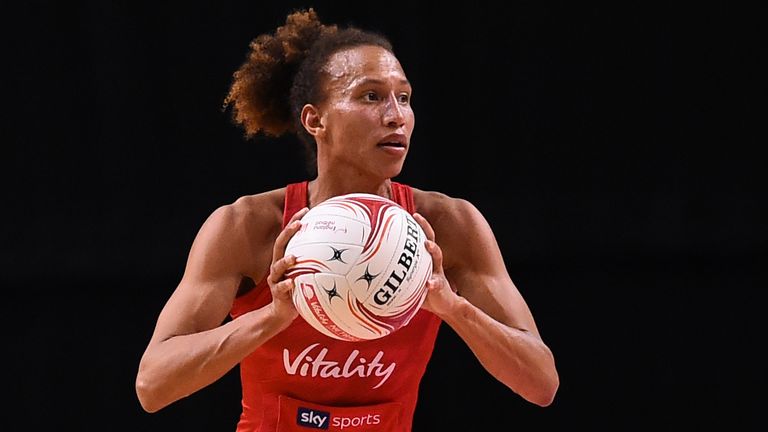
(613, 149)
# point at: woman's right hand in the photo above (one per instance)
(280, 286)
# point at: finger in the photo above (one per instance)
(284, 287)
(281, 242)
(278, 268)
(292, 227)
(299, 214)
(437, 255)
(422, 221)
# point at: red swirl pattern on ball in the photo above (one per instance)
(306, 266)
(364, 316)
(374, 210)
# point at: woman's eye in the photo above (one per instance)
(404, 98)
(371, 96)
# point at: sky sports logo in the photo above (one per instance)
(315, 419)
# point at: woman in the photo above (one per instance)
(350, 103)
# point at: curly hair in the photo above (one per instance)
(283, 71)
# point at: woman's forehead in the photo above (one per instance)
(359, 63)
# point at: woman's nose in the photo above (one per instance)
(393, 113)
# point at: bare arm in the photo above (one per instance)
(490, 314)
(190, 348)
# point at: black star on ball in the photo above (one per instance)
(337, 254)
(332, 292)
(368, 277)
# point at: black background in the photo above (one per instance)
(614, 149)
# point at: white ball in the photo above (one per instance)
(361, 267)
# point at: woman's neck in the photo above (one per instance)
(322, 188)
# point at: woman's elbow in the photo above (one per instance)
(546, 391)
(145, 393)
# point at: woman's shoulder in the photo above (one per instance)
(441, 206)
(257, 215)
(260, 204)
(455, 221)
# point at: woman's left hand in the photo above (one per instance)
(441, 297)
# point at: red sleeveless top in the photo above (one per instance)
(302, 380)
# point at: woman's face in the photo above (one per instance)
(367, 117)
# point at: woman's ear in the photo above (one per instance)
(312, 120)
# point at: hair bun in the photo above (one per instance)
(260, 89)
